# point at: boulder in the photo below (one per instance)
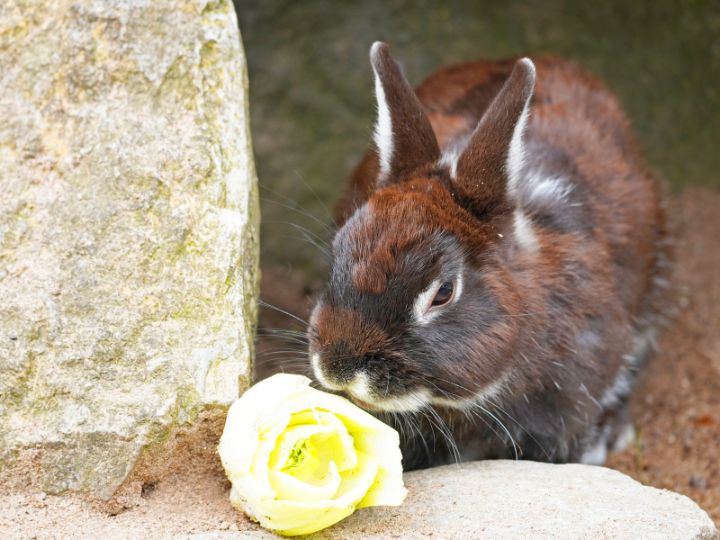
(128, 232)
(519, 499)
(493, 500)
(524, 499)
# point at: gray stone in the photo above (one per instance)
(128, 231)
(521, 499)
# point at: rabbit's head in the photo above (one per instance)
(418, 307)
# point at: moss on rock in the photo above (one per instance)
(128, 232)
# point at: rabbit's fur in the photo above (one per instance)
(517, 186)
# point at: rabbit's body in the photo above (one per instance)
(547, 230)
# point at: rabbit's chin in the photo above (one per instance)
(417, 400)
(409, 402)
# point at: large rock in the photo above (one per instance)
(128, 231)
(523, 499)
(492, 500)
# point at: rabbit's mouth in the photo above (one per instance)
(364, 404)
(359, 389)
(360, 394)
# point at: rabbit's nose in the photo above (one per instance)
(337, 365)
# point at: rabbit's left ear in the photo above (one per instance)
(490, 166)
(403, 135)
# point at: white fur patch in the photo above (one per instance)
(624, 439)
(621, 387)
(489, 392)
(458, 287)
(450, 159)
(516, 153)
(360, 387)
(383, 136)
(412, 401)
(524, 233)
(547, 189)
(421, 308)
(595, 455)
(588, 340)
(320, 375)
(422, 302)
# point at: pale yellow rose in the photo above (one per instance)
(301, 460)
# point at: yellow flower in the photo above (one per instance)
(301, 460)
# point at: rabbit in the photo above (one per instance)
(501, 266)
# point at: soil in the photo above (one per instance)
(676, 410)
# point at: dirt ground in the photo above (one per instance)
(676, 411)
(677, 406)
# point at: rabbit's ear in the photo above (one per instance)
(403, 135)
(491, 163)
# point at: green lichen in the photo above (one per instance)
(216, 6)
(15, 222)
(138, 307)
(177, 86)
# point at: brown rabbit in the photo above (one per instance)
(500, 267)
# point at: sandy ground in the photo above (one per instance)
(179, 505)
(677, 406)
(676, 411)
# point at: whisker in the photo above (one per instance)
(414, 424)
(270, 329)
(503, 427)
(317, 197)
(485, 410)
(304, 238)
(328, 228)
(475, 415)
(288, 340)
(286, 353)
(303, 229)
(518, 424)
(308, 236)
(281, 341)
(444, 430)
(280, 310)
(281, 333)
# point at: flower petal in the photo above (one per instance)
(289, 487)
(293, 518)
(300, 459)
(357, 482)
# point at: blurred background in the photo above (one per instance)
(312, 109)
(312, 103)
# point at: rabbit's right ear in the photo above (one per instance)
(491, 164)
(403, 135)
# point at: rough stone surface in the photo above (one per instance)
(506, 499)
(128, 231)
(494, 500)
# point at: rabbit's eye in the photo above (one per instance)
(444, 294)
(431, 302)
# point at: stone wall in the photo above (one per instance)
(128, 231)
